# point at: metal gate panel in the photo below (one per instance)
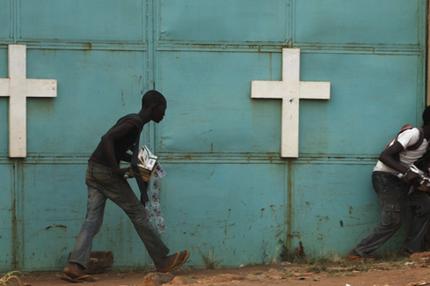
(333, 205)
(355, 23)
(202, 81)
(7, 221)
(228, 21)
(50, 189)
(5, 19)
(228, 220)
(225, 213)
(92, 79)
(4, 139)
(363, 85)
(94, 20)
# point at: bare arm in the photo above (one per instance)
(390, 157)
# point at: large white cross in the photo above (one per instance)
(290, 90)
(17, 87)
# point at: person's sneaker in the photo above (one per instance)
(173, 261)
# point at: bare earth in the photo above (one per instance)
(406, 272)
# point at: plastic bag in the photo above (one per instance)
(151, 172)
(153, 206)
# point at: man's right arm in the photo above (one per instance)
(390, 157)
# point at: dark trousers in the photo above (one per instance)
(396, 206)
(418, 221)
(102, 185)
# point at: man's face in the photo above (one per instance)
(158, 112)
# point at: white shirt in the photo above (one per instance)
(407, 138)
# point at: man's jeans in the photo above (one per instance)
(395, 205)
(103, 184)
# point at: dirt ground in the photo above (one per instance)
(405, 272)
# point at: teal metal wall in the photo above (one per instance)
(228, 196)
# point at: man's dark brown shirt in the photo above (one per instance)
(117, 141)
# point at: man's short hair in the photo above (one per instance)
(153, 98)
(426, 116)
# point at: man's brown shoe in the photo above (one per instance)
(172, 262)
(354, 256)
(75, 273)
(74, 270)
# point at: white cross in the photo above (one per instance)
(290, 90)
(18, 88)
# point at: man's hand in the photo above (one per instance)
(411, 177)
(129, 173)
(424, 188)
(414, 176)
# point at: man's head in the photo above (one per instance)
(154, 102)
(426, 116)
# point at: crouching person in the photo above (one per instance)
(392, 179)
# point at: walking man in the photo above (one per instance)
(105, 180)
